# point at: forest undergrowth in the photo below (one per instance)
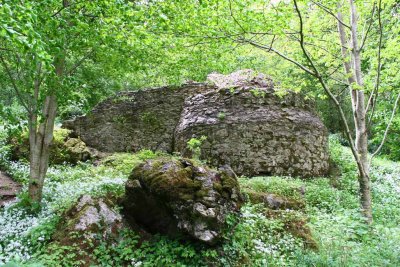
(331, 211)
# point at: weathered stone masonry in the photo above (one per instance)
(131, 121)
(247, 126)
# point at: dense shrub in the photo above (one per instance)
(63, 149)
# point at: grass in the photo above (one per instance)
(259, 239)
(345, 240)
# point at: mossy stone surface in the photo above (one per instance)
(178, 196)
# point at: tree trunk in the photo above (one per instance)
(352, 68)
(41, 136)
(362, 150)
(360, 120)
(40, 139)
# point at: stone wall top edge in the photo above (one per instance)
(173, 88)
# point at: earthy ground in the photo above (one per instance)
(8, 189)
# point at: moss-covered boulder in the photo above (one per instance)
(90, 222)
(63, 148)
(89, 218)
(177, 196)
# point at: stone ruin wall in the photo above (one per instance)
(247, 126)
(132, 121)
(255, 135)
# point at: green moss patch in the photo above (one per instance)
(174, 181)
(123, 162)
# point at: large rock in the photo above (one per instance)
(89, 217)
(247, 126)
(85, 226)
(173, 196)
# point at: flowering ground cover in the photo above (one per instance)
(259, 238)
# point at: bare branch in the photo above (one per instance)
(301, 41)
(6, 49)
(387, 128)
(317, 46)
(65, 4)
(79, 62)
(327, 10)
(378, 76)
(281, 55)
(234, 18)
(272, 43)
(346, 63)
(328, 91)
(369, 26)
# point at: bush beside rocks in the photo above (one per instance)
(63, 148)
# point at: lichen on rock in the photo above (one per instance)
(175, 195)
(89, 217)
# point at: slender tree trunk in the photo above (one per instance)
(40, 139)
(360, 120)
(41, 136)
(352, 66)
(362, 150)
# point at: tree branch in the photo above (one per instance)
(328, 91)
(234, 18)
(281, 55)
(327, 10)
(14, 85)
(369, 26)
(378, 75)
(387, 128)
(65, 4)
(79, 62)
(346, 63)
